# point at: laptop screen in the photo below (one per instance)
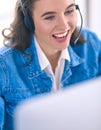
(76, 108)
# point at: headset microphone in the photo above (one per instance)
(78, 35)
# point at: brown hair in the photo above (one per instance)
(20, 34)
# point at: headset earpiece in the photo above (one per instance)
(29, 23)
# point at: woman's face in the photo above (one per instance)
(55, 21)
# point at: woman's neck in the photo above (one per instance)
(53, 59)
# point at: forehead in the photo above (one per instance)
(52, 4)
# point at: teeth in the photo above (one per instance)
(60, 35)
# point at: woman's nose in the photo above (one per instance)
(62, 23)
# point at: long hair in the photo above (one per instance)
(20, 34)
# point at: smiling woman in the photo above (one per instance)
(44, 52)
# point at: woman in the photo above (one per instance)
(41, 55)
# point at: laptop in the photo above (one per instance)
(75, 108)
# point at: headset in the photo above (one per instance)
(78, 35)
(29, 23)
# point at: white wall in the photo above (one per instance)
(6, 15)
(83, 9)
(91, 14)
(95, 16)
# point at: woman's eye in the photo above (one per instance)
(69, 11)
(49, 18)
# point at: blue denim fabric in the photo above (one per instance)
(19, 82)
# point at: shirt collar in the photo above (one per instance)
(43, 61)
(65, 54)
(75, 59)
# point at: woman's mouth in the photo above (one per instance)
(61, 37)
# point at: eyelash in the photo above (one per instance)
(69, 11)
(50, 18)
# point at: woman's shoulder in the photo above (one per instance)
(88, 34)
(5, 52)
(91, 39)
(8, 56)
(91, 45)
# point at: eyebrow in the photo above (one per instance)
(48, 13)
(51, 12)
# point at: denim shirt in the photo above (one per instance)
(19, 82)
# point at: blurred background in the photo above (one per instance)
(90, 10)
